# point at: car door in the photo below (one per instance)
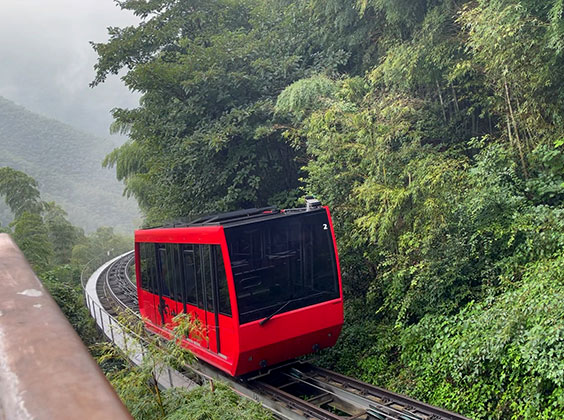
(207, 274)
(194, 298)
(224, 327)
(167, 305)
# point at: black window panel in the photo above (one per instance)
(166, 274)
(186, 273)
(143, 267)
(189, 267)
(147, 265)
(291, 258)
(223, 291)
(155, 269)
(173, 264)
(198, 261)
(207, 276)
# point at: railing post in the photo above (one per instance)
(124, 335)
(112, 329)
(101, 319)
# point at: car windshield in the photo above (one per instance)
(288, 258)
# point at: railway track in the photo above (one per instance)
(115, 288)
(295, 390)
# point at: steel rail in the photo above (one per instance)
(381, 409)
(373, 393)
(109, 277)
(109, 290)
(298, 404)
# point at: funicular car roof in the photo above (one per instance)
(240, 217)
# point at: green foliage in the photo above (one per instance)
(501, 358)
(220, 404)
(443, 169)
(63, 286)
(521, 67)
(62, 234)
(31, 236)
(138, 386)
(100, 246)
(143, 398)
(305, 96)
(58, 251)
(203, 138)
(20, 191)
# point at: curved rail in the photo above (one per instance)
(295, 390)
(118, 286)
(126, 271)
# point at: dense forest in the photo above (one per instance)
(66, 163)
(434, 130)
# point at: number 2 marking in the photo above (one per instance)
(325, 226)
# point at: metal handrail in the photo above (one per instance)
(131, 343)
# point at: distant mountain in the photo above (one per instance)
(67, 165)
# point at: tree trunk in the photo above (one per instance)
(515, 129)
(441, 100)
(456, 107)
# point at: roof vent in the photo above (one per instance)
(312, 203)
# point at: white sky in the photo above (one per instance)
(46, 62)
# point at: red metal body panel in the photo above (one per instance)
(222, 361)
(195, 235)
(244, 348)
(289, 335)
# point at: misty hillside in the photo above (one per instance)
(67, 165)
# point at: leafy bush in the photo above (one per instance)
(500, 358)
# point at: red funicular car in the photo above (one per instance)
(265, 284)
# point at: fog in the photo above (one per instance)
(46, 61)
